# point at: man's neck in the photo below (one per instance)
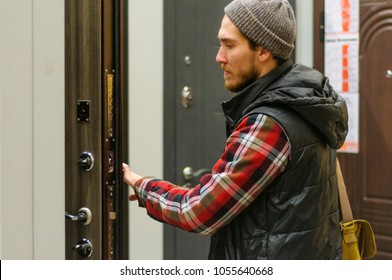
(268, 66)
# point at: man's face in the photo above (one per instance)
(237, 60)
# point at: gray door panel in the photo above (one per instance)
(194, 136)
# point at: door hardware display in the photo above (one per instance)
(86, 161)
(84, 216)
(84, 248)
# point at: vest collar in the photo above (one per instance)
(233, 109)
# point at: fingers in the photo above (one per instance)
(126, 173)
(125, 166)
(127, 179)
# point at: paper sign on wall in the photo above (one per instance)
(342, 60)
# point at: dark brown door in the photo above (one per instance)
(368, 174)
(96, 215)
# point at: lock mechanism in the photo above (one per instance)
(86, 161)
(186, 97)
(388, 75)
(83, 111)
(84, 248)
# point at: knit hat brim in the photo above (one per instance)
(268, 23)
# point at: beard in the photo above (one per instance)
(244, 79)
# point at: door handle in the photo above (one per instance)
(84, 216)
(189, 175)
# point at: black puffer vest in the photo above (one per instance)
(297, 216)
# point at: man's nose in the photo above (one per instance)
(220, 58)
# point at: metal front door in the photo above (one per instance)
(194, 124)
(96, 216)
(193, 118)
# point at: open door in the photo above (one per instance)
(96, 204)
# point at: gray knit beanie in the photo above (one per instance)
(268, 23)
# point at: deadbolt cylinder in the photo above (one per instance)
(86, 161)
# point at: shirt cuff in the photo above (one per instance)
(141, 192)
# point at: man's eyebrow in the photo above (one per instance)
(226, 39)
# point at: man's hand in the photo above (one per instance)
(130, 179)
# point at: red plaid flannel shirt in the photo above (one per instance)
(255, 154)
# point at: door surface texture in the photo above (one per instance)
(96, 204)
(368, 174)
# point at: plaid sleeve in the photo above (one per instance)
(255, 154)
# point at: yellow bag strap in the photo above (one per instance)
(344, 202)
(349, 232)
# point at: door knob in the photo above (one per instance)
(189, 174)
(86, 161)
(186, 97)
(84, 216)
(84, 248)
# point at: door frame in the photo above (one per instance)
(169, 114)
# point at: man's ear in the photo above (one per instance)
(264, 55)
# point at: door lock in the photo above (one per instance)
(186, 97)
(388, 75)
(86, 161)
(84, 248)
(84, 216)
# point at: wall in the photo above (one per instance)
(146, 117)
(304, 42)
(32, 129)
(16, 130)
(48, 129)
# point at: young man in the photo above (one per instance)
(273, 193)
